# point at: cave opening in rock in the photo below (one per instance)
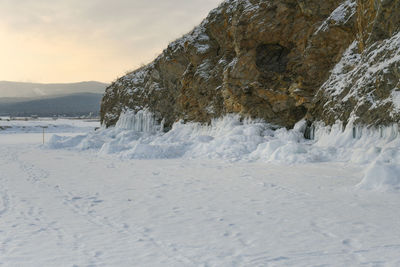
(272, 58)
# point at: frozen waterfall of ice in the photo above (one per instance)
(141, 121)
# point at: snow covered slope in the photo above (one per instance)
(365, 86)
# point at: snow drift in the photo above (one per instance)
(138, 136)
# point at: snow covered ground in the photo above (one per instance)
(21, 125)
(89, 200)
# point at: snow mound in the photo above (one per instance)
(139, 136)
(384, 173)
(381, 177)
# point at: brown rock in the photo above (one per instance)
(259, 58)
(364, 88)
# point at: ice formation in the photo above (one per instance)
(138, 136)
(141, 121)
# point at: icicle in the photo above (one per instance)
(309, 132)
(142, 121)
(357, 132)
(162, 125)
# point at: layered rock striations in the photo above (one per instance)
(278, 60)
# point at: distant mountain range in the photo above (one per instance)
(74, 99)
(29, 90)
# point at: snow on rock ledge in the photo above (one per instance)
(364, 85)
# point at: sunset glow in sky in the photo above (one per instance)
(73, 40)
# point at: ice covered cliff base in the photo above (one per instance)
(376, 148)
(138, 136)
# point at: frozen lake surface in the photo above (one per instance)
(80, 207)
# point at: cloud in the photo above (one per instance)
(117, 19)
(126, 29)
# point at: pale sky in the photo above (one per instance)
(52, 41)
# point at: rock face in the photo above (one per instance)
(365, 85)
(278, 60)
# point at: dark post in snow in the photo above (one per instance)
(44, 127)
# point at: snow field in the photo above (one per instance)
(235, 193)
(53, 126)
(64, 208)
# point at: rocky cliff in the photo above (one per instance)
(279, 60)
(365, 84)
